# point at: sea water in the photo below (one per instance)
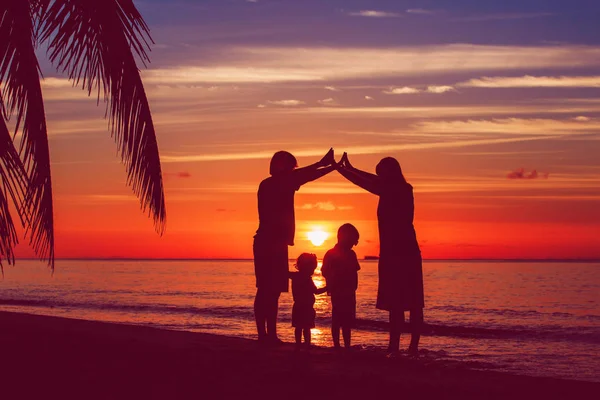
(528, 318)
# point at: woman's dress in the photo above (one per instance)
(400, 264)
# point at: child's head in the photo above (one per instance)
(307, 263)
(282, 162)
(348, 235)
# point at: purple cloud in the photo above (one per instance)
(522, 174)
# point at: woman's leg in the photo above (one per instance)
(298, 335)
(396, 322)
(416, 325)
(307, 337)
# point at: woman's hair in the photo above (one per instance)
(282, 162)
(348, 233)
(389, 169)
(307, 262)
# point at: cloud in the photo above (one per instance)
(227, 74)
(292, 64)
(328, 102)
(456, 111)
(321, 206)
(60, 83)
(440, 89)
(374, 14)
(513, 126)
(410, 90)
(286, 103)
(582, 118)
(357, 150)
(369, 98)
(182, 174)
(324, 206)
(332, 88)
(502, 16)
(261, 106)
(402, 90)
(421, 11)
(521, 174)
(528, 81)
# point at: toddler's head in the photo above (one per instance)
(348, 236)
(307, 263)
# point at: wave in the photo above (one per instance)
(507, 312)
(512, 332)
(148, 308)
(433, 328)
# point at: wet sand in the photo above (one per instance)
(51, 358)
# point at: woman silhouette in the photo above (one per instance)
(400, 264)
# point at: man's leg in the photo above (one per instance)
(260, 314)
(271, 316)
(335, 334)
(347, 333)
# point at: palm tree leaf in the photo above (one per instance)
(20, 76)
(94, 42)
(14, 184)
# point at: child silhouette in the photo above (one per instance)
(303, 291)
(340, 269)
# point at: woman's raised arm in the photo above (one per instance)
(369, 182)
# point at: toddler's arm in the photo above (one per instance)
(321, 290)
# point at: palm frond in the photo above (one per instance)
(94, 42)
(14, 182)
(20, 76)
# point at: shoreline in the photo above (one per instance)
(69, 358)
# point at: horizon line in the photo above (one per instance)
(582, 260)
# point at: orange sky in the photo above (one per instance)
(462, 117)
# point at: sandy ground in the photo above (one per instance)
(58, 358)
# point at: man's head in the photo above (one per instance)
(282, 162)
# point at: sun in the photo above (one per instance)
(317, 236)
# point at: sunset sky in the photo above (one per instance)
(492, 109)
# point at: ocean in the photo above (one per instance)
(527, 318)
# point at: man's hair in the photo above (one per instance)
(282, 162)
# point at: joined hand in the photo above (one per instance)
(328, 159)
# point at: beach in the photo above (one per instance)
(540, 319)
(68, 358)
